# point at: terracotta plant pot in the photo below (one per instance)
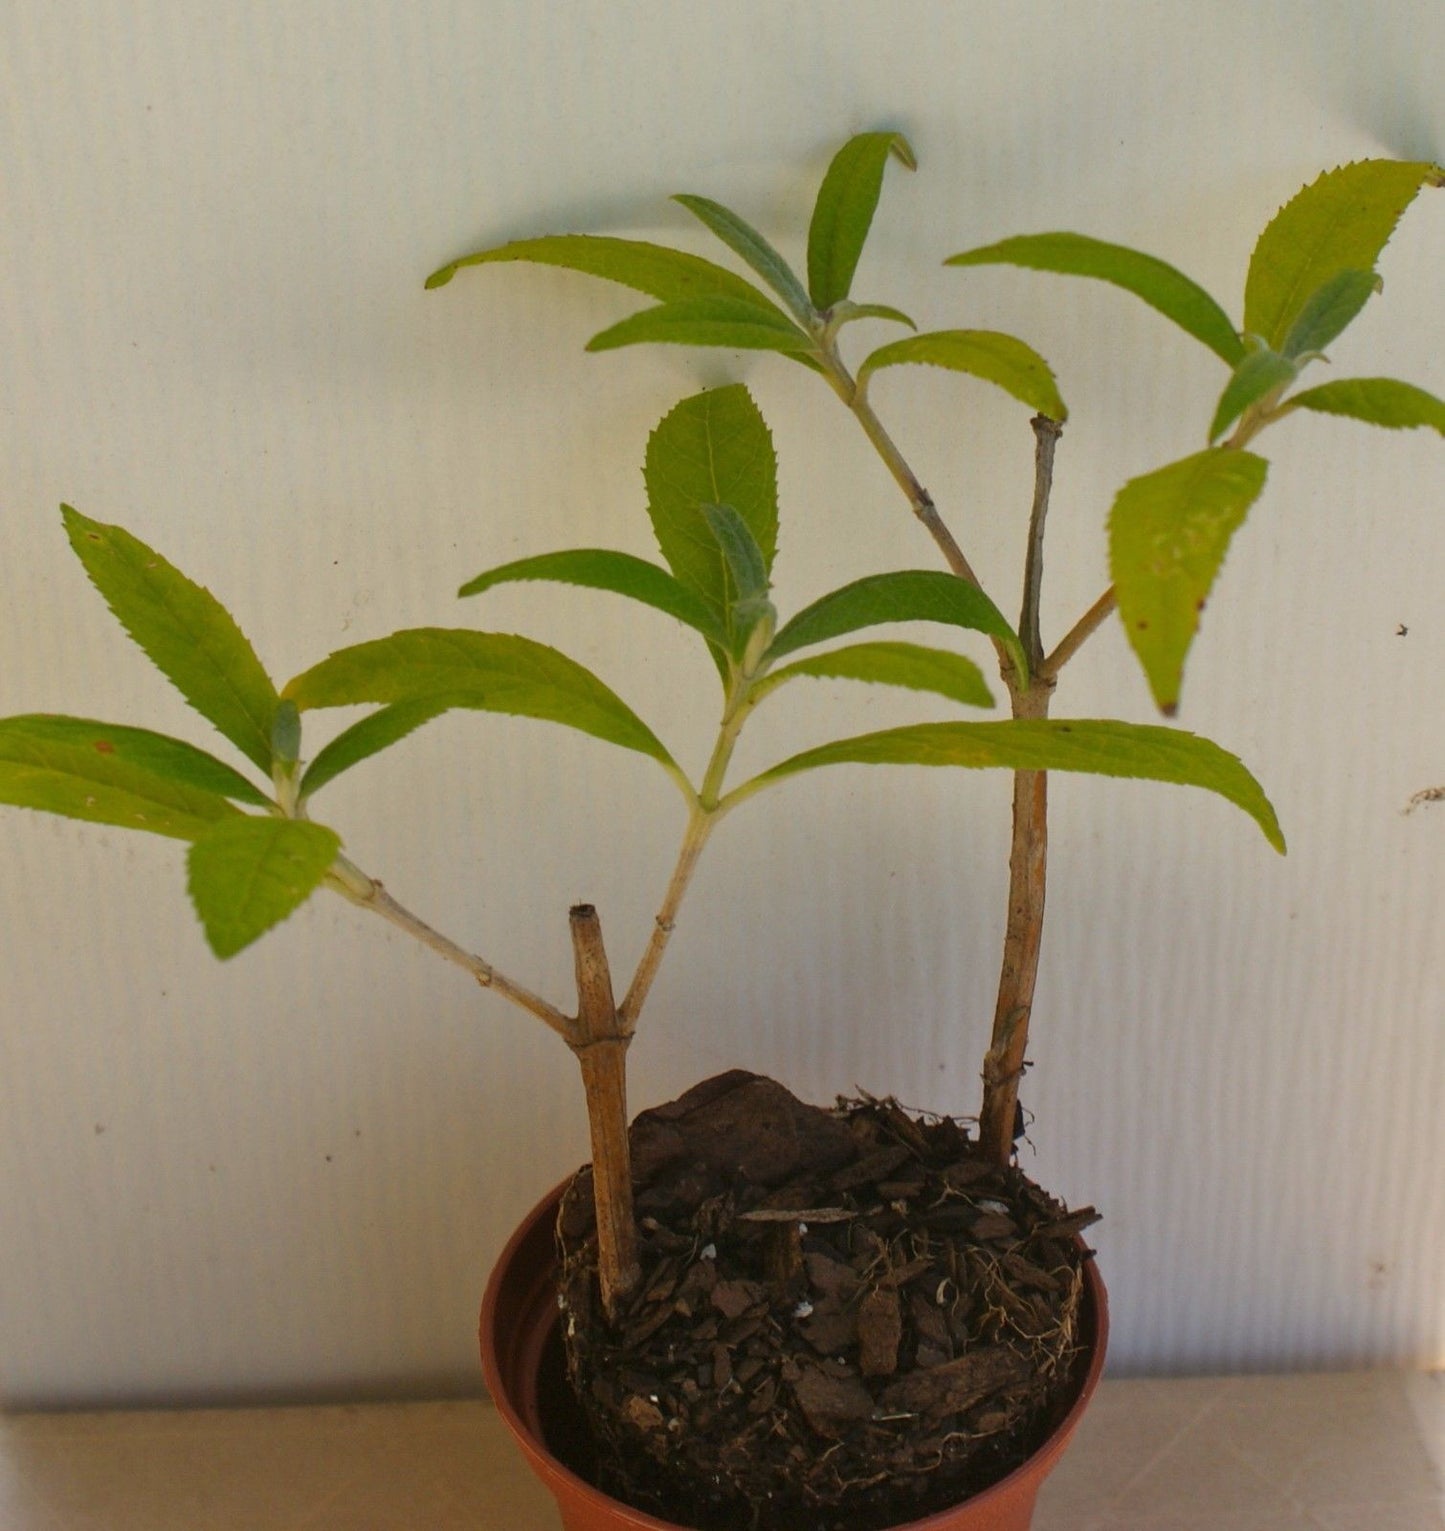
(524, 1370)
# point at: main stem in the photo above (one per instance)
(1029, 698)
(600, 1045)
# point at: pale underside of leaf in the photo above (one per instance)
(1329, 311)
(1156, 282)
(1168, 534)
(745, 241)
(1259, 374)
(1340, 222)
(1091, 746)
(996, 358)
(494, 672)
(843, 212)
(248, 874)
(104, 775)
(184, 631)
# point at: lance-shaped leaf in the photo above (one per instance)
(1377, 401)
(747, 568)
(843, 213)
(1095, 747)
(184, 630)
(494, 672)
(1340, 222)
(1168, 532)
(909, 595)
(1259, 374)
(159, 754)
(913, 666)
(751, 616)
(846, 312)
(1329, 311)
(604, 569)
(367, 738)
(726, 322)
(668, 275)
(711, 449)
(996, 358)
(108, 775)
(249, 873)
(1159, 284)
(744, 240)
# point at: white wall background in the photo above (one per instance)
(287, 1176)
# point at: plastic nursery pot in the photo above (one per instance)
(525, 1374)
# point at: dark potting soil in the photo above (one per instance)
(846, 1318)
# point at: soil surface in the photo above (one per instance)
(846, 1319)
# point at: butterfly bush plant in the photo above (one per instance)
(257, 849)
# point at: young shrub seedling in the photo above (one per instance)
(256, 850)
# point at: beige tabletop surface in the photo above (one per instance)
(1333, 1452)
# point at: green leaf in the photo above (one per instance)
(494, 672)
(159, 754)
(1168, 532)
(1159, 284)
(669, 275)
(744, 240)
(1260, 373)
(368, 737)
(909, 595)
(1340, 222)
(1096, 747)
(1328, 311)
(711, 449)
(1377, 401)
(110, 775)
(843, 213)
(909, 665)
(996, 358)
(747, 568)
(184, 630)
(286, 735)
(726, 322)
(602, 569)
(845, 312)
(248, 874)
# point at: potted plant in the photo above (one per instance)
(877, 1315)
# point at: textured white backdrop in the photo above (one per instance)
(287, 1176)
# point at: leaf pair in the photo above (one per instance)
(706, 305)
(247, 871)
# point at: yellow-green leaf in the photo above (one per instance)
(1339, 222)
(662, 273)
(1168, 533)
(1377, 401)
(184, 630)
(843, 213)
(94, 771)
(492, 672)
(248, 874)
(996, 358)
(1097, 747)
(1159, 284)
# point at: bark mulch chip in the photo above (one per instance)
(847, 1319)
